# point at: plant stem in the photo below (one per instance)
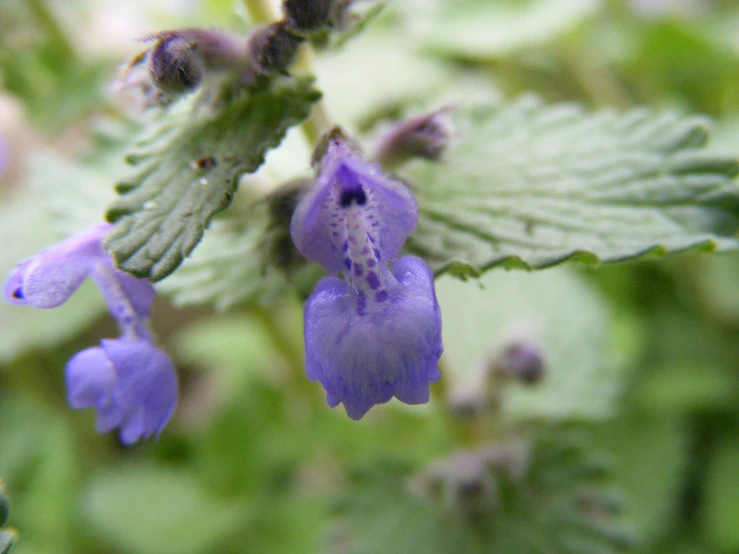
(262, 11)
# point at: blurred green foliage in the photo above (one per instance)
(642, 358)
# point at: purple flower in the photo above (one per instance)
(376, 333)
(131, 383)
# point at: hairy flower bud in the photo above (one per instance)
(179, 61)
(174, 66)
(424, 136)
(273, 48)
(522, 361)
(307, 16)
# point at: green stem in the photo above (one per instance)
(262, 11)
(286, 336)
(461, 431)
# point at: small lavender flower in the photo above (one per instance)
(131, 383)
(376, 333)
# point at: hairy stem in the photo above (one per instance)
(262, 11)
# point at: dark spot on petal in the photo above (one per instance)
(335, 234)
(346, 245)
(381, 296)
(358, 270)
(348, 263)
(18, 293)
(355, 194)
(377, 254)
(373, 280)
(371, 263)
(334, 225)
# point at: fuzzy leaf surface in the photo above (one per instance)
(532, 186)
(188, 171)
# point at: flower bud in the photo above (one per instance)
(179, 61)
(174, 66)
(273, 48)
(307, 16)
(424, 136)
(522, 361)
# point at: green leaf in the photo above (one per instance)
(533, 186)
(482, 29)
(235, 263)
(556, 312)
(75, 193)
(553, 502)
(154, 511)
(189, 170)
(721, 509)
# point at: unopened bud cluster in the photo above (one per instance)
(424, 136)
(306, 17)
(518, 360)
(181, 61)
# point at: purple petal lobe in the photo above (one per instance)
(389, 349)
(50, 278)
(90, 378)
(131, 384)
(352, 204)
(13, 290)
(146, 379)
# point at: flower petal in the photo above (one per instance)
(139, 292)
(364, 350)
(389, 210)
(90, 378)
(50, 278)
(145, 378)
